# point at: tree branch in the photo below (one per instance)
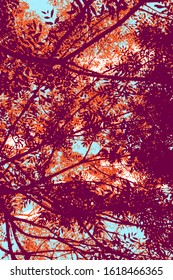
(107, 31)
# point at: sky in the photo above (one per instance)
(39, 5)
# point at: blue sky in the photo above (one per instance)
(39, 5)
(79, 148)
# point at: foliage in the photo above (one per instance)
(86, 130)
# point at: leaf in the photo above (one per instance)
(52, 13)
(43, 12)
(34, 24)
(93, 10)
(89, 15)
(74, 6)
(79, 4)
(57, 20)
(159, 6)
(41, 43)
(102, 10)
(40, 27)
(135, 238)
(49, 22)
(164, 11)
(111, 10)
(47, 17)
(36, 37)
(71, 12)
(47, 99)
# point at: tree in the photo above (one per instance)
(86, 131)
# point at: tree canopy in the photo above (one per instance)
(86, 131)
